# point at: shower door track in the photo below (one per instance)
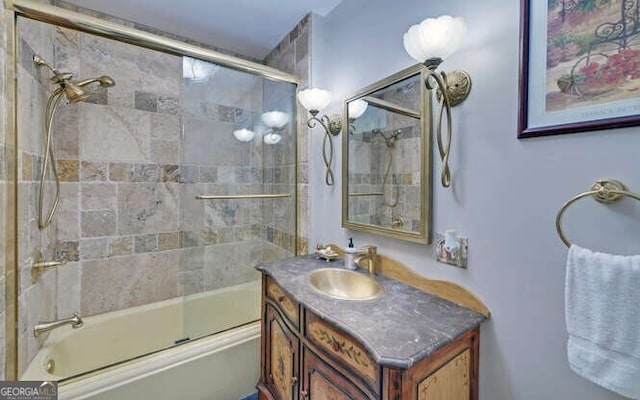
(75, 20)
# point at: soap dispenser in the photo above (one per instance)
(349, 255)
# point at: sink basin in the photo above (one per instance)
(344, 284)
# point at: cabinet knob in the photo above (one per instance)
(294, 381)
(303, 394)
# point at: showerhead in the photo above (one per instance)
(106, 81)
(73, 90)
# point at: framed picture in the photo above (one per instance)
(579, 66)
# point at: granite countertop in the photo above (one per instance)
(399, 328)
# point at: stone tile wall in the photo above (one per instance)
(36, 301)
(293, 55)
(131, 159)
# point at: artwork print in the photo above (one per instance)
(588, 63)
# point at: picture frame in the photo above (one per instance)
(579, 66)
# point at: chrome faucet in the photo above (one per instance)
(371, 256)
(75, 321)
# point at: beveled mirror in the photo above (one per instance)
(386, 177)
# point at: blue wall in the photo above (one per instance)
(505, 193)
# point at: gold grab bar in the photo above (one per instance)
(242, 196)
(605, 191)
(359, 194)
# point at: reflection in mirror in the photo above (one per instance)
(386, 181)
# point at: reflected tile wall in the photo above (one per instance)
(403, 183)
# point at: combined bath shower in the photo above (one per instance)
(74, 93)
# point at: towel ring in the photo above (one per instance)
(605, 191)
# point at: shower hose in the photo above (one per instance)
(49, 158)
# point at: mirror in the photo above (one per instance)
(386, 176)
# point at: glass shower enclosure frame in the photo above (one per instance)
(255, 185)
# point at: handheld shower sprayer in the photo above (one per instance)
(74, 93)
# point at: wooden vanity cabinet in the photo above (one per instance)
(306, 358)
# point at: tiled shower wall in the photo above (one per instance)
(293, 55)
(128, 221)
(36, 302)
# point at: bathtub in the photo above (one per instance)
(221, 366)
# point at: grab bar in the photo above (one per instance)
(605, 191)
(242, 196)
(361, 194)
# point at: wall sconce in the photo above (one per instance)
(275, 120)
(355, 109)
(429, 43)
(244, 135)
(315, 100)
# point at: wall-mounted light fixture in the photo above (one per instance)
(315, 100)
(429, 43)
(355, 109)
(244, 135)
(275, 121)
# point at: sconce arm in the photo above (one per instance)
(451, 90)
(445, 105)
(332, 127)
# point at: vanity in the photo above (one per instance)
(403, 344)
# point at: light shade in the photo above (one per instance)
(275, 119)
(314, 99)
(356, 108)
(244, 135)
(434, 37)
(271, 138)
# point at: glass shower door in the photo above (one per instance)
(238, 168)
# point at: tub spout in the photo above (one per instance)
(75, 321)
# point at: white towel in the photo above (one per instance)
(602, 309)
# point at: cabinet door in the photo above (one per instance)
(282, 357)
(450, 382)
(322, 382)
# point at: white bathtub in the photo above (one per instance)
(222, 366)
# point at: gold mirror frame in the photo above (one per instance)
(423, 236)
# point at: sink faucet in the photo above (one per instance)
(75, 321)
(371, 256)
